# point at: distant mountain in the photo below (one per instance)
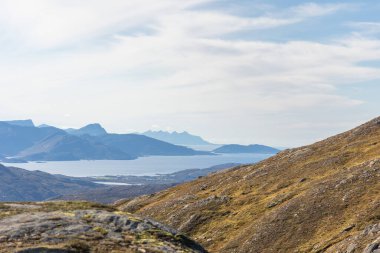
(64, 147)
(92, 129)
(255, 149)
(43, 125)
(140, 145)
(15, 138)
(25, 123)
(23, 185)
(30, 143)
(183, 138)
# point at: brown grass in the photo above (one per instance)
(302, 200)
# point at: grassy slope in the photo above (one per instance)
(302, 200)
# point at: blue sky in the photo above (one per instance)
(283, 73)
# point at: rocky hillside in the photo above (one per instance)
(319, 198)
(69, 227)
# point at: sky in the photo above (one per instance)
(282, 73)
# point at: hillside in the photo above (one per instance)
(23, 185)
(69, 227)
(254, 149)
(319, 198)
(177, 138)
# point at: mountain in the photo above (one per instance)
(82, 227)
(15, 138)
(140, 145)
(23, 185)
(183, 138)
(24, 123)
(44, 125)
(319, 198)
(65, 147)
(23, 143)
(254, 149)
(91, 129)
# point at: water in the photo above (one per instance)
(144, 166)
(113, 183)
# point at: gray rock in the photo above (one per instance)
(96, 230)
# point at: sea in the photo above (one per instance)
(143, 166)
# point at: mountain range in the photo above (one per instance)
(22, 140)
(183, 138)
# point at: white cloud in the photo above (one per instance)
(315, 10)
(366, 28)
(94, 61)
(54, 23)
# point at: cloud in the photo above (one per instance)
(315, 10)
(135, 63)
(366, 28)
(50, 24)
(56, 23)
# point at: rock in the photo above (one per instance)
(373, 248)
(35, 230)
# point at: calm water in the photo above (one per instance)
(143, 166)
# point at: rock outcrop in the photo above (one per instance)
(68, 227)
